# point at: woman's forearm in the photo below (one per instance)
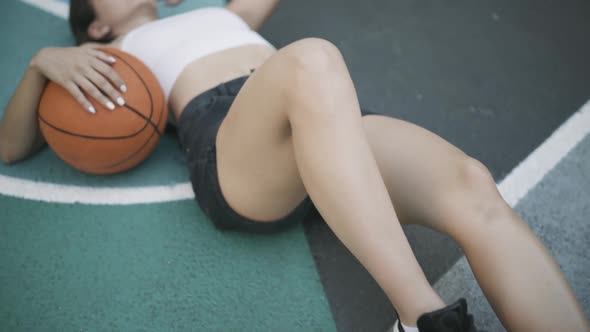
(19, 129)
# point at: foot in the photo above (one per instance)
(452, 318)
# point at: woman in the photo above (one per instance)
(267, 132)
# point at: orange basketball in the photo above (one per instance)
(109, 141)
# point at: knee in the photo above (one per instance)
(312, 61)
(478, 194)
(475, 176)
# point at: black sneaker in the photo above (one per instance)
(452, 318)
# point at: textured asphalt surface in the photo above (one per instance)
(495, 78)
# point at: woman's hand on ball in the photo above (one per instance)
(80, 69)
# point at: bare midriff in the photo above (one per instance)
(214, 69)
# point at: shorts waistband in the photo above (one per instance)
(195, 110)
(229, 88)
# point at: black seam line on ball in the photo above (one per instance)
(134, 152)
(132, 109)
(149, 94)
(142, 82)
(129, 156)
(90, 136)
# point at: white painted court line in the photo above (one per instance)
(59, 193)
(54, 7)
(533, 169)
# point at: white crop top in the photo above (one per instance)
(168, 45)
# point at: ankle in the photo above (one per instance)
(401, 327)
(454, 317)
(410, 316)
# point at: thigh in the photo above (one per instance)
(417, 166)
(256, 166)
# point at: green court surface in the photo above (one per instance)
(156, 267)
(144, 267)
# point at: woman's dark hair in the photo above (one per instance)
(81, 16)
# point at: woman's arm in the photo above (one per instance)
(75, 69)
(19, 130)
(254, 12)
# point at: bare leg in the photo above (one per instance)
(434, 184)
(519, 277)
(295, 129)
(316, 103)
(342, 178)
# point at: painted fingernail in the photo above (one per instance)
(91, 110)
(111, 59)
(120, 101)
(123, 88)
(111, 106)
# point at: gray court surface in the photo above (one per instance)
(495, 78)
(558, 211)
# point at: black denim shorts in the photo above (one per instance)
(197, 130)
